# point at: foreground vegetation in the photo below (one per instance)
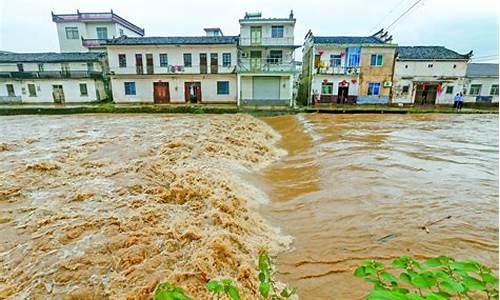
(439, 278)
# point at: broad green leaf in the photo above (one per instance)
(451, 285)
(360, 272)
(233, 293)
(473, 283)
(264, 289)
(435, 296)
(433, 262)
(287, 292)
(227, 282)
(385, 295)
(214, 285)
(423, 280)
(488, 278)
(388, 277)
(405, 277)
(414, 297)
(264, 262)
(401, 262)
(464, 266)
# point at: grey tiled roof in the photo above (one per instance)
(484, 69)
(49, 57)
(174, 40)
(428, 52)
(346, 40)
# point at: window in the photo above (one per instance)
(327, 88)
(226, 59)
(335, 60)
(277, 31)
(129, 88)
(353, 55)
(406, 89)
(188, 60)
(430, 65)
(10, 90)
(222, 87)
(90, 66)
(373, 88)
(377, 60)
(121, 32)
(494, 90)
(83, 90)
(122, 60)
(72, 33)
(163, 60)
(65, 68)
(275, 56)
(31, 90)
(20, 67)
(475, 89)
(102, 33)
(40, 68)
(449, 89)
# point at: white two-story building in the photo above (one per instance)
(266, 60)
(428, 75)
(481, 83)
(83, 32)
(190, 69)
(52, 77)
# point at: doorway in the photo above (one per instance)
(58, 94)
(192, 92)
(255, 35)
(426, 94)
(214, 63)
(203, 63)
(255, 60)
(161, 92)
(343, 93)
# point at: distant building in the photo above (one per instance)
(266, 60)
(428, 74)
(83, 32)
(348, 69)
(481, 83)
(52, 77)
(189, 69)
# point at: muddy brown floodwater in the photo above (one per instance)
(356, 187)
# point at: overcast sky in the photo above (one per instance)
(462, 25)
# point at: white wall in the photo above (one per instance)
(71, 45)
(317, 81)
(267, 39)
(33, 67)
(286, 87)
(144, 88)
(485, 82)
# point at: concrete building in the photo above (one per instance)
(428, 75)
(265, 72)
(192, 69)
(52, 77)
(348, 69)
(83, 32)
(481, 83)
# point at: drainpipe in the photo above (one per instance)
(238, 89)
(391, 94)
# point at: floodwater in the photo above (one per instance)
(356, 187)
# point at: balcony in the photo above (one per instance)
(265, 65)
(52, 74)
(94, 43)
(262, 42)
(173, 70)
(338, 71)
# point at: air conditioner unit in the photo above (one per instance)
(387, 84)
(244, 54)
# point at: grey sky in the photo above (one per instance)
(462, 25)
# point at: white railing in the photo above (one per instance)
(265, 65)
(173, 69)
(268, 41)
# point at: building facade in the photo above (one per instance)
(343, 69)
(195, 69)
(481, 83)
(265, 71)
(427, 75)
(52, 77)
(83, 32)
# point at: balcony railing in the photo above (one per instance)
(283, 41)
(265, 65)
(94, 43)
(52, 74)
(173, 69)
(338, 71)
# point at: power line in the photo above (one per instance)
(388, 14)
(403, 14)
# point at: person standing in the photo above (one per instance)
(460, 102)
(456, 100)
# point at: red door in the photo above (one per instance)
(161, 92)
(192, 92)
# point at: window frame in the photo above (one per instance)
(30, 94)
(449, 89)
(226, 59)
(41, 67)
(20, 67)
(277, 34)
(372, 87)
(86, 94)
(472, 89)
(120, 56)
(377, 60)
(335, 58)
(10, 93)
(328, 85)
(407, 88)
(105, 30)
(187, 63)
(275, 59)
(494, 86)
(226, 83)
(130, 88)
(72, 32)
(163, 59)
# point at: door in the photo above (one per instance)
(426, 94)
(203, 63)
(343, 92)
(138, 64)
(255, 60)
(214, 63)
(161, 92)
(192, 92)
(149, 63)
(255, 35)
(266, 88)
(58, 94)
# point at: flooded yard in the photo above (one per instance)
(107, 206)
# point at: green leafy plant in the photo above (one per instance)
(438, 278)
(169, 291)
(226, 286)
(267, 287)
